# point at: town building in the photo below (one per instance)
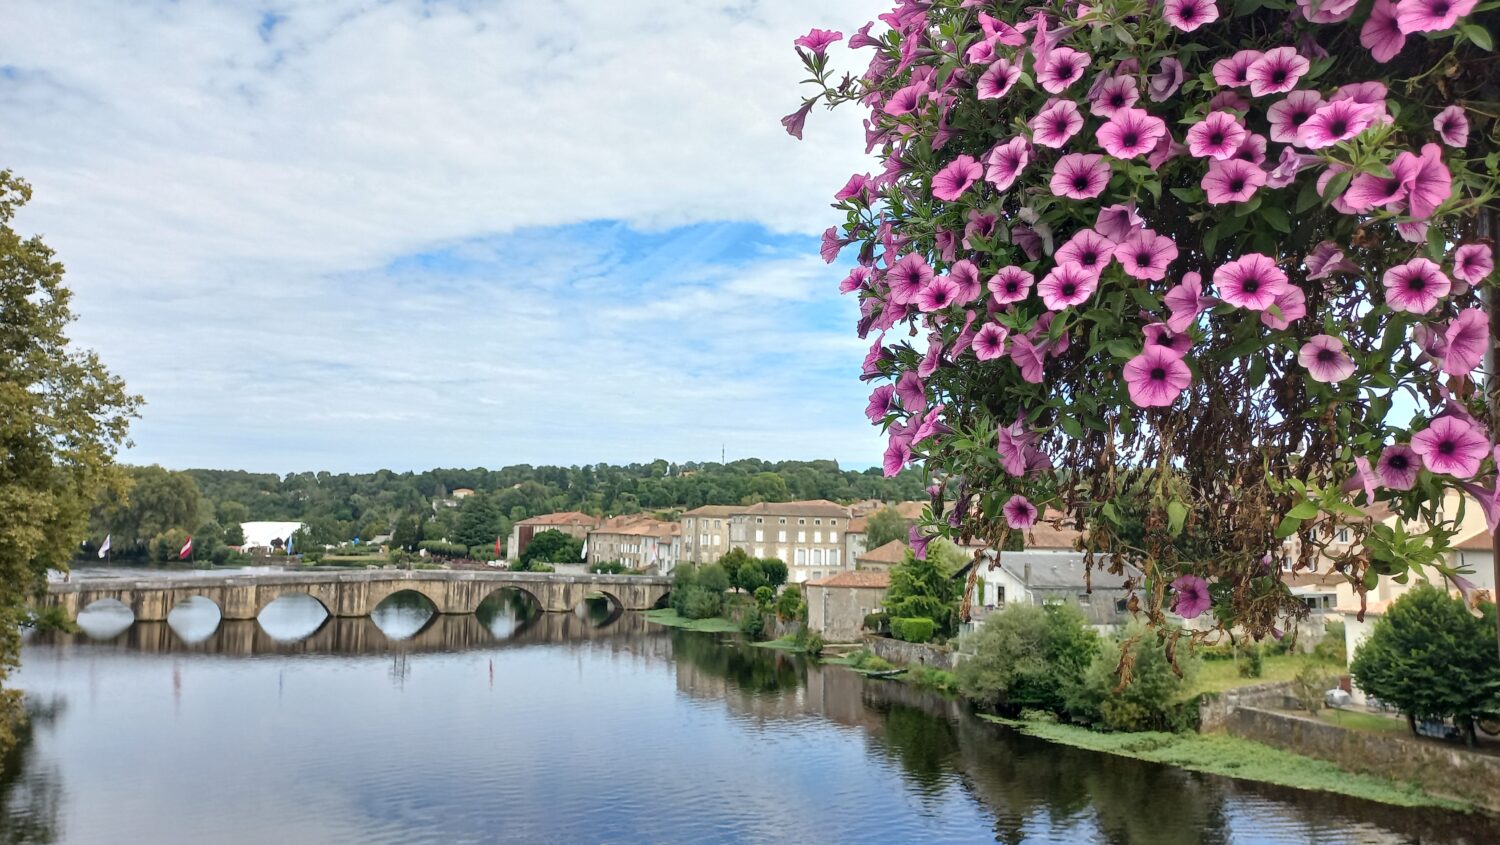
(837, 604)
(638, 541)
(885, 558)
(462, 493)
(1051, 571)
(705, 532)
(807, 536)
(855, 537)
(573, 523)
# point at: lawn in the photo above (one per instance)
(1233, 757)
(1358, 721)
(1220, 675)
(714, 625)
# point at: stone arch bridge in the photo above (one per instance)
(354, 594)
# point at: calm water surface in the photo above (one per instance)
(594, 726)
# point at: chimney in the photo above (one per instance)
(1027, 575)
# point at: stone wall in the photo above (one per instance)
(904, 653)
(1214, 708)
(1441, 769)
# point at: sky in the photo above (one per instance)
(358, 235)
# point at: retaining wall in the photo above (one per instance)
(903, 653)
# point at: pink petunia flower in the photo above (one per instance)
(1327, 11)
(1468, 339)
(832, 244)
(897, 456)
(1146, 255)
(1216, 136)
(882, 402)
(1115, 93)
(980, 225)
(955, 178)
(1411, 231)
(1277, 71)
(905, 100)
(1004, 163)
(1324, 178)
(1166, 150)
(1415, 287)
(1286, 169)
(1186, 301)
(1117, 222)
(1088, 249)
(1253, 149)
(1029, 358)
(1382, 33)
(1165, 82)
(990, 342)
(1080, 176)
(1431, 183)
(1066, 285)
(1335, 121)
(907, 277)
(1229, 101)
(818, 40)
(1011, 284)
(794, 122)
(1232, 181)
(1020, 513)
(911, 391)
(1234, 72)
(1326, 259)
(1161, 335)
(1452, 125)
(1291, 305)
(1016, 445)
(1130, 132)
(1061, 67)
(1156, 377)
(1057, 122)
(1431, 15)
(1398, 467)
(940, 294)
(1287, 116)
(966, 276)
(854, 187)
(1325, 359)
(996, 82)
(1473, 263)
(1452, 445)
(1188, 15)
(1368, 190)
(1191, 597)
(1251, 281)
(861, 38)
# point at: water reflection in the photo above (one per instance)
(517, 725)
(194, 619)
(105, 619)
(293, 617)
(403, 614)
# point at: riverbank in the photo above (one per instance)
(712, 625)
(1229, 756)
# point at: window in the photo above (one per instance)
(816, 575)
(759, 552)
(817, 522)
(716, 524)
(1343, 536)
(1083, 599)
(1121, 605)
(759, 520)
(801, 557)
(801, 522)
(833, 536)
(817, 557)
(781, 552)
(781, 535)
(833, 523)
(782, 521)
(817, 536)
(802, 536)
(833, 556)
(718, 539)
(760, 536)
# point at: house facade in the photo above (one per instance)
(705, 532)
(807, 536)
(884, 558)
(837, 604)
(638, 541)
(573, 523)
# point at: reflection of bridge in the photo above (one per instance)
(357, 593)
(361, 636)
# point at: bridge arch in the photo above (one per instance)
(287, 616)
(194, 617)
(508, 610)
(105, 618)
(404, 613)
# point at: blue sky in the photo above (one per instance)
(344, 235)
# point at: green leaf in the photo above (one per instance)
(1176, 516)
(1336, 186)
(1278, 218)
(1287, 527)
(1122, 348)
(1479, 35)
(1303, 510)
(1070, 426)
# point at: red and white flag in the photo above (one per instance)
(187, 549)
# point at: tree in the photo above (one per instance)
(750, 576)
(1149, 699)
(552, 546)
(1028, 657)
(883, 526)
(1432, 659)
(1183, 330)
(921, 588)
(478, 522)
(64, 418)
(408, 533)
(775, 572)
(155, 500)
(731, 561)
(234, 534)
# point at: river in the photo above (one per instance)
(594, 726)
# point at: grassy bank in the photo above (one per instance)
(1237, 758)
(1221, 675)
(713, 625)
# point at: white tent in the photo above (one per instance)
(258, 535)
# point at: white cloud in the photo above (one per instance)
(230, 204)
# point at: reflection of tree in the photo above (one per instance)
(753, 670)
(923, 744)
(30, 799)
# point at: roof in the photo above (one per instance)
(858, 525)
(1061, 573)
(641, 527)
(1044, 535)
(814, 507)
(910, 510)
(715, 510)
(563, 518)
(893, 553)
(868, 578)
(1479, 541)
(1327, 580)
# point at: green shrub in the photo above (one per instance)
(764, 598)
(880, 623)
(307, 557)
(813, 644)
(913, 629)
(789, 605)
(1028, 657)
(1309, 685)
(1331, 649)
(927, 676)
(52, 617)
(1149, 701)
(1253, 662)
(612, 567)
(438, 548)
(870, 661)
(701, 603)
(754, 626)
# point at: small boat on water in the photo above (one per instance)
(882, 675)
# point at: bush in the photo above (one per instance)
(1028, 657)
(1253, 663)
(438, 548)
(1149, 701)
(701, 603)
(53, 617)
(813, 643)
(1309, 685)
(789, 605)
(754, 626)
(912, 629)
(713, 578)
(308, 558)
(878, 622)
(1331, 649)
(764, 597)
(613, 567)
(923, 589)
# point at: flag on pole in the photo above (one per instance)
(585, 553)
(497, 548)
(104, 549)
(289, 544)
(187, 549)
